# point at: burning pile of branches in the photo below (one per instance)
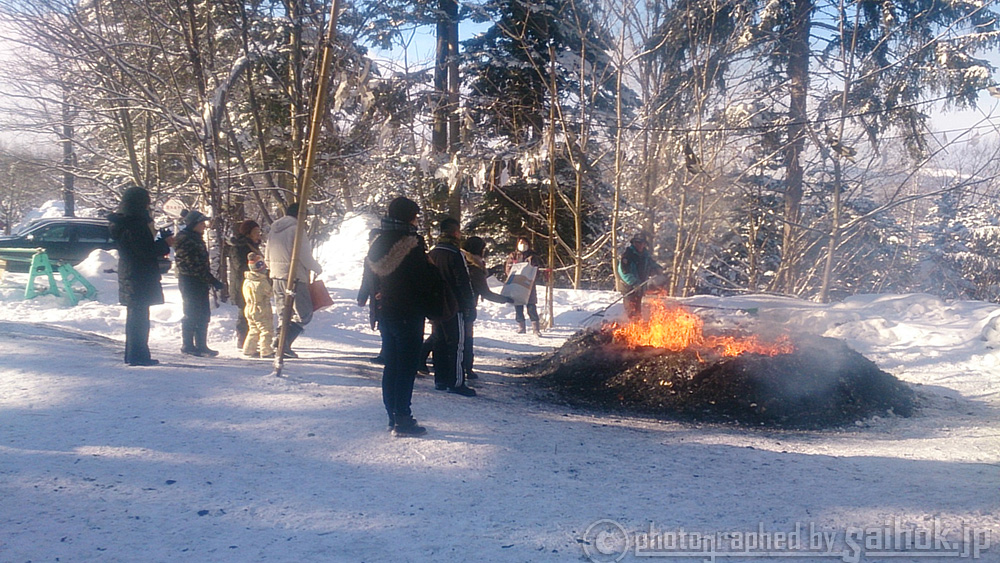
(668, 367)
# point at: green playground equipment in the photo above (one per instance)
(42, 266)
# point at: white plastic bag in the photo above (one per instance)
(519, 282)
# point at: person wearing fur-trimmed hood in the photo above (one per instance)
(397, 260)
(474, 250)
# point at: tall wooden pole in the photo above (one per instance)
(549, 293)
(300, 224)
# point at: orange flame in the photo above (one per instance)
(676, 329)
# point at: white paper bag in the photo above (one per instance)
(519, 282)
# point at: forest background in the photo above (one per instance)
(767, 146)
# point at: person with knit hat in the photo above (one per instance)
(194, 279)
(246, 240)
(258, 311)
(278, 256)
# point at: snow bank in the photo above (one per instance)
(343, 254)
(101, 270)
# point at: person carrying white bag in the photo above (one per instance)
(522, 276)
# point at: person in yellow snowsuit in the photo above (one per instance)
(257, 292)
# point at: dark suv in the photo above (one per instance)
(65, 239)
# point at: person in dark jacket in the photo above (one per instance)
(449, 334)
(138, 272)
(474, 251)
(245, 241)
(369, 293)
(194, 278)
(397, 259)
(635, 267)
(524, 253)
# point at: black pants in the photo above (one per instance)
(137, 334)
(633, 304)
(197, 309)
(519, 312)
(468, 352)
(449, 345)
(401, 339)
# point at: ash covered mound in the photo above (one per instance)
(822, 384)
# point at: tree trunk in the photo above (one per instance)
(296, 106)
(554, 99)
(439, 133)
(454, 124)
(797, 47)
(69, 161)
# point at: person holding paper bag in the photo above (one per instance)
(525, 255)
(278, 256)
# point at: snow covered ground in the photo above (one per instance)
(216, 460)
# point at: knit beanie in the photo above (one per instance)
(256, 262)
(403, 209)
(194, 217)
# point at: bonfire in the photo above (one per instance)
(674, 328)
(666, 365)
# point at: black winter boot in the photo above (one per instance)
(187, 340)
(520, 327)
(294, 330)
(407, 426)
(535, 327)
(201, 342)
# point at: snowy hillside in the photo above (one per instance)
(215, 460)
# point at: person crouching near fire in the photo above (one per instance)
(635, 267)
(257, 292)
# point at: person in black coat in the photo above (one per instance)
(194, 279)
(246, 241)
(474, 250)
(449, 334)
(397, 260)
(138, 271)
(369, 293)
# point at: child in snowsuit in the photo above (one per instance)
(257, 293)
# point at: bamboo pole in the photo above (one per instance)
(303, 196)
